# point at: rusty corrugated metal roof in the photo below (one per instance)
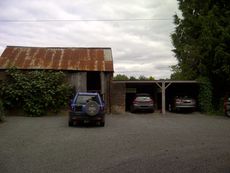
(57, 58)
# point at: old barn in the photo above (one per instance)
(87, 69)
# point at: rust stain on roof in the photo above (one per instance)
(50, 58)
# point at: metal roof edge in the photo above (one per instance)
(11, 46)
(154, 81)
(52, 69)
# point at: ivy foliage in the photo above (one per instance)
(35, 92)
(2, 112)
(205, 95)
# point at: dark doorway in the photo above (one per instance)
(129, 100)
(159, 101)
(93, 82)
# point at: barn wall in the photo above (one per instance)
(106, 81)
(78, 80)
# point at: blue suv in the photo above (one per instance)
(87, 108)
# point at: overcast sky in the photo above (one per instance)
(141, 47)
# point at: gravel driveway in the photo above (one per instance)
(128, 143)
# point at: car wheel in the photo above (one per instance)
(131, 109)
(170, 108)
(70, 123)
(92, 108)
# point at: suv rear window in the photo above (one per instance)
(82, 99)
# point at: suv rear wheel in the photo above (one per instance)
(92, 108)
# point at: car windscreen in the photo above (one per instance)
(184, 97)
(143, 98)
(83, 99)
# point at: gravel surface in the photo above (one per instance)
(128, 143)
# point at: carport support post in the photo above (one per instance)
(163, 88)
(163, 97)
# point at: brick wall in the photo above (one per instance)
(117, 98)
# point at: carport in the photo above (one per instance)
(161, 91)
(189, 87)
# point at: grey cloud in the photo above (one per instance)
(139, 48)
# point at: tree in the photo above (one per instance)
(120, 77)
(177, 73)
(132, 78)
(201, 40)
(142, 77)
(124, 77)
(151, 78)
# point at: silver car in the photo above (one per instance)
(182, 103)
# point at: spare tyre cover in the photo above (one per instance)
(92, 108)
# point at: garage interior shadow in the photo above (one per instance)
(185, 89)
(132, 89)
(188, 89)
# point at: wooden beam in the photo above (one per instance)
(163, 97)
(163, 88)
(159, 85)
(168, 85)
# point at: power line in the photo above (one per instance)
(80, 20)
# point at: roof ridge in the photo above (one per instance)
(10, 46)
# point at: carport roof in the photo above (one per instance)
(154, 81)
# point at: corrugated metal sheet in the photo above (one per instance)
(81, 59)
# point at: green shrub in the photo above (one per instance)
(2, 112)
(205, 95)
(36, 92)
